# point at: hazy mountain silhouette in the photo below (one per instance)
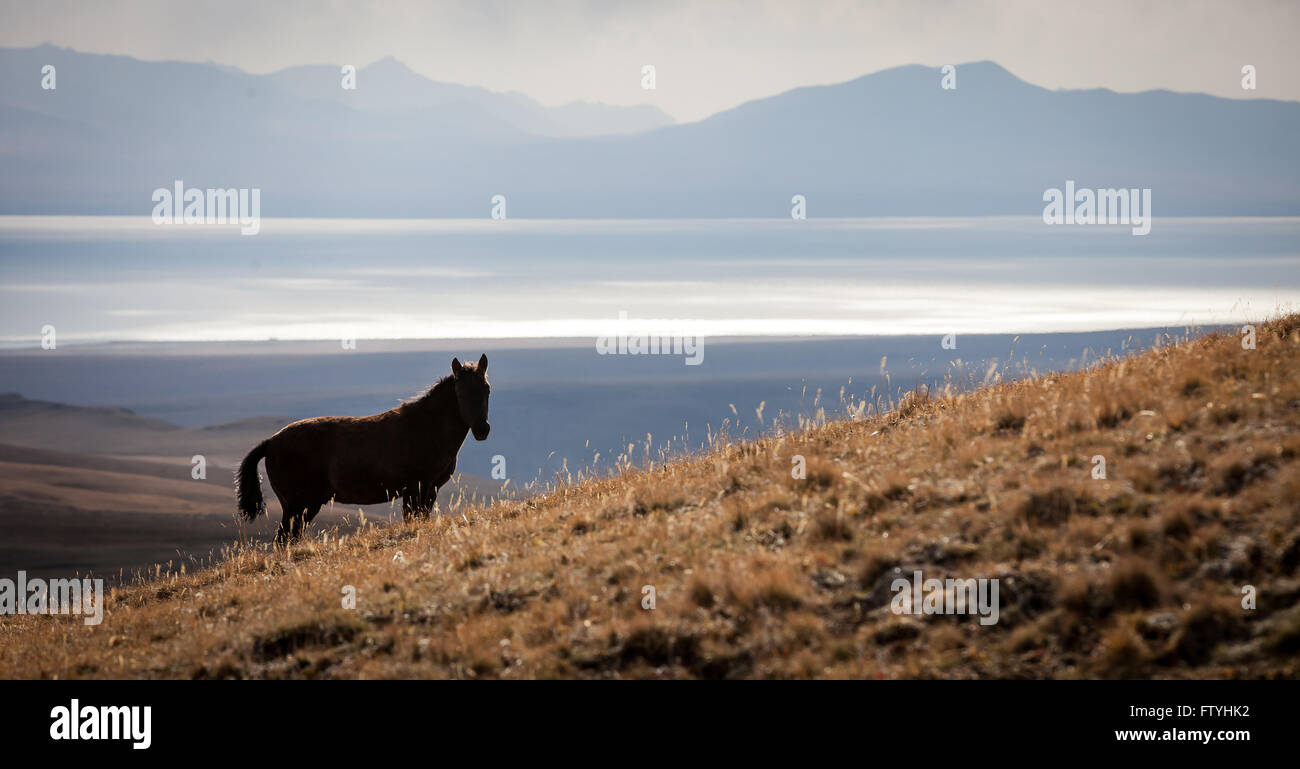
(391, 87)
(891, 143)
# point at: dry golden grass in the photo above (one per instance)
(758, 574)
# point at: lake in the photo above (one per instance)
(114, 278)
(785, 309)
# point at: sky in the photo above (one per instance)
(708, 55)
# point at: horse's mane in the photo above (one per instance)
(447, 381)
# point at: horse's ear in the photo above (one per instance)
(455, 366)
(482, 364)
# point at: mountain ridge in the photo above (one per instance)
(890, 143)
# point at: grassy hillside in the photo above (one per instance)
(760, 574)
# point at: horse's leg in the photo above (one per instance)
(282, 534)
(287, 506)
(291, 524)
(428, 499)
(311, 512)
(431, 488)
(418, 503)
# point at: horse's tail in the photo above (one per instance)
(248, 485)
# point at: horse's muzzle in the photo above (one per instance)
(481, 431)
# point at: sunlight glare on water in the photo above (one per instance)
(124, 278)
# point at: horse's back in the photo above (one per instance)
(330, 457)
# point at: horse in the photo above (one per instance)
(408, 452)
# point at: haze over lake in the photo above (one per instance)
(102, 279)
(821, 301)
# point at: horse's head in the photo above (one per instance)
(472, 391)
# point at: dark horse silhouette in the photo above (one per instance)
(407, 452)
